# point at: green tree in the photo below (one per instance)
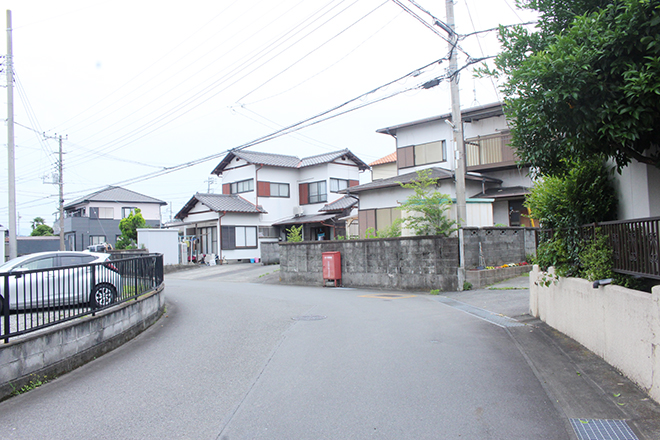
(37, 221)
(586, 83)
(41, 230)
(294, 234)
(128, 227)
(427, 207)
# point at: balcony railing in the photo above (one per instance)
(491, 151)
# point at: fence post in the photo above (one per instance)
(5, 308)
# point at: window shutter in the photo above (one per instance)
(263, 189)
(228, 238)
(304, 193)
(366, 220)
(225, 188)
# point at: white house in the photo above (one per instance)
(495, 185)
(94, 218)
(264, 194)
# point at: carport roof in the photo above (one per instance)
(318, 218)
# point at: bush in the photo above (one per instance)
(294, 234)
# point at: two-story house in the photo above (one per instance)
(264, 194)
(95, 218)
(495, 185)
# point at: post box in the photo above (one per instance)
(331, 267)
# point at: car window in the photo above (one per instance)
(39, 263)
(75, 260)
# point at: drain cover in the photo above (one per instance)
(602, 429)
(309, 318)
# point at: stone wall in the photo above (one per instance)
(404, 263)
(498, 245)
(270, 253)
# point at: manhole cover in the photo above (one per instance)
(390, 295)
(309, 318)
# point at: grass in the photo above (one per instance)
(268, 273)
(35, 383)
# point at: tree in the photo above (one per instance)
(41, 230)
(37, 221)
(128, 227)
(294, 234)
(587, 83)
(428, 207)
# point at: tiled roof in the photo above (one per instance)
(284, 161)
(340, 204)
(115, 194)
(220, 203)
(317, 218)
(436, 173)
(390, 158)
(496, 193)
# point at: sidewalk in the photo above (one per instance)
(582, 386)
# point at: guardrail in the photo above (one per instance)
(35, 299)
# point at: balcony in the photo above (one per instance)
(490, 152)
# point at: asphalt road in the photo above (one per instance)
(266, 361)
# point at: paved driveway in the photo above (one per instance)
(267, 361)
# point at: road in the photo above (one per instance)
(236, 360)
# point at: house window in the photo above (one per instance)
(279, 189)
(241, 186)
(126, 211)
(106, 213)
(378, 219)
(239, 237)
(208, 240)
(317, 192)
(414, 155)
(268, 232)
(337, 185)
(96, 239)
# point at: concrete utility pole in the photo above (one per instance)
(11, 170)
(457, 122)
(60, 169)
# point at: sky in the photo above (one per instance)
(149, 95)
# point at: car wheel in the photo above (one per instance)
(103, 295)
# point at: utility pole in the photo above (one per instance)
(60, 179)
(457, 126)
(11, 170)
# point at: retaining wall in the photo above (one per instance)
(486, 277)
(270, 253)
(620, 325)
(62, 348)
(403, 263)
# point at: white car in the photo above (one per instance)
(53, 279)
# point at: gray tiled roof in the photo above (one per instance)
(436, 173)
(284, 161)
(340, 204)
(220, 203)
(316, 218)
(115, 194)
(495, 193)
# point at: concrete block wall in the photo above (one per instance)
(270, 253)
(620, 325)
(499, 245)
(404, 263)
(486, 277)
(59, 349)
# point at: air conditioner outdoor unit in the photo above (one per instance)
(298, 211)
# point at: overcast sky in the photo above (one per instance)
(140, 86)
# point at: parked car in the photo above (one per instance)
(53, 279)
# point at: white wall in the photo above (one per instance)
(620, 325)
(638, 191)
(230, 175)
(484, 127)
(383, 171)
(161, 241)
(513, 177)
(278, 208)
(150, 211)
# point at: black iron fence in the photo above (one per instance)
(635, 244)
(37, 298)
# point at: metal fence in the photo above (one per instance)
(39, 298)
(635, 244)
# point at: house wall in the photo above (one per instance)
(278, 208)
(150, 211)
(383, 171)
(407, 263)
(620, 325)
(84, 227)
(238, 219)
(237, 172)
(161, 241)
(485, 126)
(512, 177)
(638, 191)
(501, 212)
(425, 133)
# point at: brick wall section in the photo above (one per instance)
(406, 263)
(499, 245)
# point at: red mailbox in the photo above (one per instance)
(332, 267)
